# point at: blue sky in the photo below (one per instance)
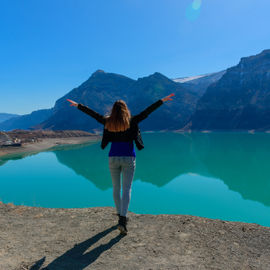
(48, 47)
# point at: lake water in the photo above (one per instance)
(215, 175)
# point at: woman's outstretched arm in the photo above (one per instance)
(142, 115)
(100, 118)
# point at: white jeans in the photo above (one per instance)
(125, 165)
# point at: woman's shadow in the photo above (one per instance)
(75, 258)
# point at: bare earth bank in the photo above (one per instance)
(39, 140)
(87, 238)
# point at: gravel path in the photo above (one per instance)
(86, 238)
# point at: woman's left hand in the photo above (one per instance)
(73, 103)
(167, 97)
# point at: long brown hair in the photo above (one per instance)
(119, 119)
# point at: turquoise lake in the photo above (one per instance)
(214, 175)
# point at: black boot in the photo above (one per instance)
(122, 225)
(127, 219)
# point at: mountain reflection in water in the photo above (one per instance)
(240, 160)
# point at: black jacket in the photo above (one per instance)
(132, 133)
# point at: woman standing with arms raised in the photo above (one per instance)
(121, 129)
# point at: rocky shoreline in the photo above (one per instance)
(39, 140)
(86, 238)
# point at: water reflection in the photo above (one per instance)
(240, 160)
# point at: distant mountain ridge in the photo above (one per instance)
(6, 116)
(234, 99)
(25, 121)
(102, 89)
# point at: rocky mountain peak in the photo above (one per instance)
(257, 59)
(98, 72)
(155, 77)
(158, 75)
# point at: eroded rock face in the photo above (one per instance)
(240, 100)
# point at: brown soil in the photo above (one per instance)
(38, 140)
(36, 135)
(87, 238)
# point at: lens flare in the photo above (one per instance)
(193, 10)
(196, 4)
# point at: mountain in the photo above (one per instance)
(171, 115)
(102, 89)
(235, 99)
(6, 116)
(25, 121)
(98, 92)
(239, 100)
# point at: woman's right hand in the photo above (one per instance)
(73, 103)
(167, 97)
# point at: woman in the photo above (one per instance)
(121, 129)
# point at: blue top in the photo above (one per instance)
(122, 149)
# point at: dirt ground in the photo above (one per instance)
(45, 140)
(87, 238)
